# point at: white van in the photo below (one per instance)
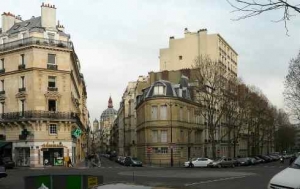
(288, 178)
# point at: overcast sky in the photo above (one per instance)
(118, 40)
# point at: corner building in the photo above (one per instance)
(42, 92)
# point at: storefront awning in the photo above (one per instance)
(2, 144)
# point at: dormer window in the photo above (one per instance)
(159, 90)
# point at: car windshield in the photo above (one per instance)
(218, 159)
(296, 163)
(135, 159)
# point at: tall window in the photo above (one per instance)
(51, 59)
(51, 37)
(22, 59)
(164, 136)
(52, 129)
(2, 107)
(181, 135)
(22, 107)
(181, 114)
(2, 64)
(52, 81)
(154, 136)
(154, 112)
(22, 82)
(2, 85)
(163, 112)
(52, 105)
(159, 90)
(188, 116)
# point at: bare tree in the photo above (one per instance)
(252, 8)
(210, 95)
(292, 87)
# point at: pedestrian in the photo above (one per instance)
(70, 163)
(191, 163)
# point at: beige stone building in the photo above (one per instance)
(182, 52)
(43, 93)
(167, 128)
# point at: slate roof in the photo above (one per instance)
(33, 24)
(180, 90)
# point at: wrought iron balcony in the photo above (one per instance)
(35, 41)
(52, 89)
(37, 114)
(23, 89)
(22, 67)
(2, 92)
(2, 71)
(51, 66)
(22, 137)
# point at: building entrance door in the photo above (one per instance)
(22, 156)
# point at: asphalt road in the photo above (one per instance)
(252, 177)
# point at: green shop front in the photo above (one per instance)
(53, 155)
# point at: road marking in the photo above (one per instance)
(216, 180)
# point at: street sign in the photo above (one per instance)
(77, 133)
(92, 182)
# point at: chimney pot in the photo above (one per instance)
(43, 4)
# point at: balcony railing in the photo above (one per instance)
(35, 41)
(2, 70)
(51, 66)
(2, 92)
(37, 114)
(22, 67)
(2, 137)
(23, 89)
(52, 88)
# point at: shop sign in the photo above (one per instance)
(77, 132)
(52, 146)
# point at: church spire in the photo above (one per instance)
(110, 103)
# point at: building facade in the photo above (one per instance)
(43, 94)
(182, 52)
(107, 119)
(168, 132)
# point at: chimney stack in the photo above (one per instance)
(8, 20)
(60, 27)
(48, 13)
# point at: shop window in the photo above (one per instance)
(53, 129)
(164, 150)
(52, 105)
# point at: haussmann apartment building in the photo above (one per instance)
(43, 113)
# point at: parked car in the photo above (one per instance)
(113, 156)
(236, 162)
(222, 162)
(120, 160)
(8, 163)
(244, 161)
(266, 158)
(259, 160)
(288, 178)
(132, 161)
(253, 161)
(198, 162)
(2, 172)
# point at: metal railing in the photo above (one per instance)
(35, 41)
(51, 67)
(2, 92)
(52, 88)
(22, 89)
(36, 114)
(22, 66)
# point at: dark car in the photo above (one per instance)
(222, 162)
(265, 158)
(244, 161)
(8, 163)
(113, 156)
(259, 160)
(134, 162)
(2, 172)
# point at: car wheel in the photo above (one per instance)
(219, 166)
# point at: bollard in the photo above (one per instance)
(133, 176)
